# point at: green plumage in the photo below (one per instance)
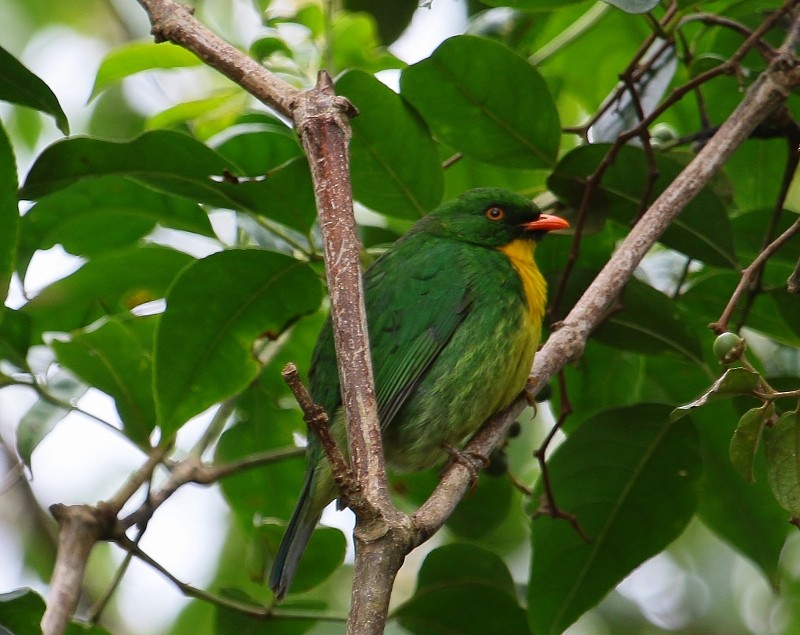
(453, 330)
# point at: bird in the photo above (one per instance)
(454, 317)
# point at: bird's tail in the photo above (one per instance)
(298, 533)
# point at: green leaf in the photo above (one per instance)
(21, 611)
(463, 589)
(259, 151)
(745, 440)
(9, 213)
(395, 166)
(630, 477)
(232, 621)
(702, 231)
(176, 163)
(110, 284)
(322, 557)
(216, 310)
(532, 5)
(15, 336)
(734, 381)
(356, 45)
(103, 214)
(19, 86)
(650, 323)
(485, 101)
(391, 18)
(169, 160)
(43, 415)
(135, 57)
(742, 513)
(633, 6)
(116, 358)
(782, 443)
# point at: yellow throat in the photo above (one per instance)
(520, 253)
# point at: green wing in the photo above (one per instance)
(414, 305)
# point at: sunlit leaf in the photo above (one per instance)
(110, 284)
(135, 57)
(117, 359)
(103, 214)
(44, 415)
(19, 86)
(216, 310)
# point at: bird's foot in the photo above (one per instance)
(473, 461)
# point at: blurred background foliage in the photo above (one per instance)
(175, 189)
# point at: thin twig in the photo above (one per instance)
(748, 274)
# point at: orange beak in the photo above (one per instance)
(546, 223)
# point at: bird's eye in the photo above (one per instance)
(495, 213)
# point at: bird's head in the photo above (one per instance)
(494, 217)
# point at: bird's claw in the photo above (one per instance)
(473, 461)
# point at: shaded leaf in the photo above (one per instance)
(456, 585)
(395, 167)
(19, 86)
(216, 310)
(9, 213)
(742, 513)
(232, 621)
(702, 231)
(782, 443)
(485, 101)
(135, 57)
(110, 284)
(15, 336)
(650, 323)
(357, 45)
(613, 473)
(116, 358)
(745, 440)
(734, 381)
(391, 18)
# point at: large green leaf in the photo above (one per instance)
(215, 311)
(630, 477)
(135, 57)
(110, 284)
(485, 101)
(103, 214)
(19, 86)
(177, 164)
(172, 160)
(15, 336)
(463, 589)
(702, 231)
(9, 214)
(395, 167)
(649, 323)
(117, 359)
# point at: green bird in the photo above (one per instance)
(454, 313)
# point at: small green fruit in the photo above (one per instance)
(728, 347)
